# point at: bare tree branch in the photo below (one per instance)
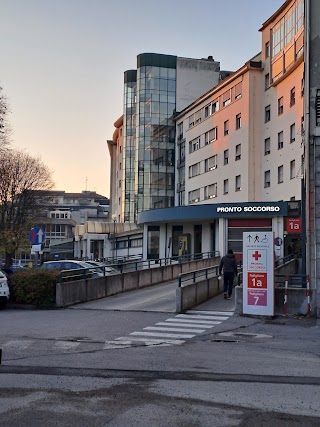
(24, 185)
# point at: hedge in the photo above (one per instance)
(37, 287)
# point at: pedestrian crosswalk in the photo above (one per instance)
(173, 331)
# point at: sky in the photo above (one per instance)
(62, 65)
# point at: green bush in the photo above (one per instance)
(37, 287)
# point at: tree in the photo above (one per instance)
(24, 185)
(4, 126)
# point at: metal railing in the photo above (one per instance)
(159, 262)
(123, 267)
(83, 273)
(193, 276)
(294, 280)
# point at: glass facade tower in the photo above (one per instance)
(149, 134)
(129, 143)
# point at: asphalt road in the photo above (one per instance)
(95, 366)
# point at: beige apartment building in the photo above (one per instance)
(239, 147)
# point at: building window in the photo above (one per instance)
(238, 183)
(238, 90)
(194, 170)
(210, 163)
(292, 96)
(280, 140)
(211, 136)
(238, 121)
(267, 114)
(119, 183)
(302, 125)
(226, 127)
(267, 146)
(280, 106)
(267, 179)
(292, 132)
(267, 81)
(226, 98)
(210, 191)
(292, 169)
(226, 186)
(238, 152)
(191, 121)
(180, 131)
(197, 116)
(194, 196)
(194, 145)
(280, 174)
(214, 106)
(267, 49)
(181, 195)
(226, 157)
(207, 111)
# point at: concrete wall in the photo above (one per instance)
(79, 291)
(196, 293)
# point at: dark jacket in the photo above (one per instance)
(229, 264)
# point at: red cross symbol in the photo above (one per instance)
(256, 255)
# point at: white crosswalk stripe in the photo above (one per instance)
(159, 328)
(212, 313)
(199, 317)
(182, 326)
(194, 321)
(158, 334)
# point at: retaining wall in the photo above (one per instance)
(196, 293)
(79, 291)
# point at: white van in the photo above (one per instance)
(4, 289)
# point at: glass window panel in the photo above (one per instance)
(172, 85)
(163, 97)
(163, 72)
(171, 73)
(155, 72)
(155, 84)
(163, 108)
(163, 84)
(171, 97)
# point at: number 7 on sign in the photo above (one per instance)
(256, 300)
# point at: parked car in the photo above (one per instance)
(104, 268)
(66, 264)
(4, 289)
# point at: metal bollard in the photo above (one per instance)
(285, 297)
(308, 297)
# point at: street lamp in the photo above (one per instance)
(114, 219)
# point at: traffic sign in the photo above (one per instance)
(36, 236)
(258, 273)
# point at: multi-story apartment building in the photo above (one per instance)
(239, 145)
(63, 212)
(143, 146)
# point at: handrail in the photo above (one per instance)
(195, 274)
(159, 262)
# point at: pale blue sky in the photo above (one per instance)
(62, 64)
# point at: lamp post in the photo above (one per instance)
(114, 252)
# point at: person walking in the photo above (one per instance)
(228, 264)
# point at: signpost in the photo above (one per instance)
(258, 273)
(36, 237)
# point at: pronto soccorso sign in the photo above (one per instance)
(252, 209)
(227, 209)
